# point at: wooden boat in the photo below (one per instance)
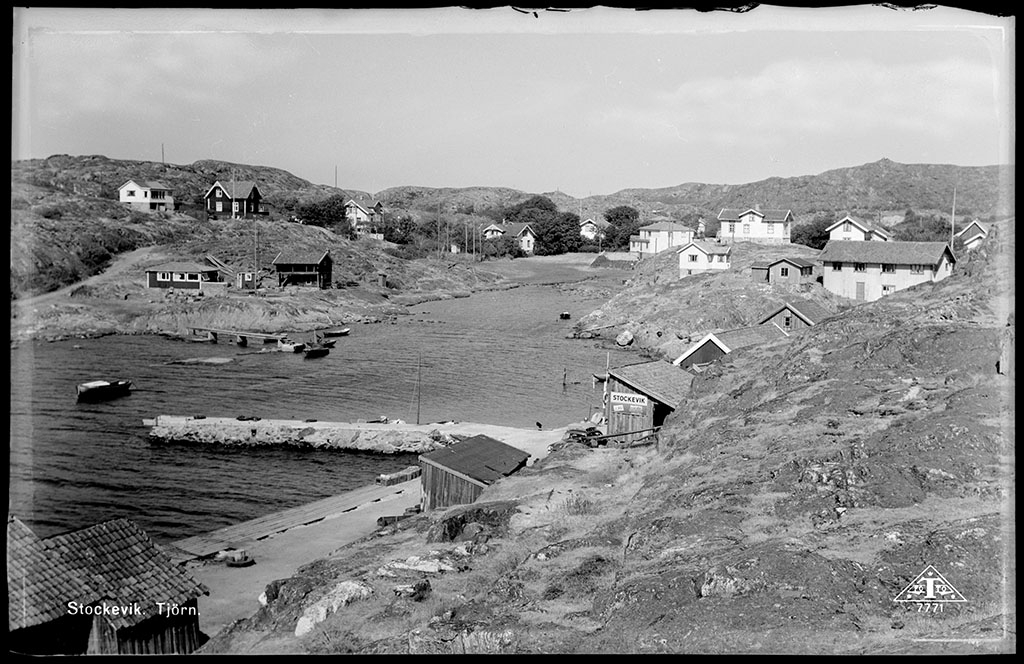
(564, 315)
(328, 343)
(289, 346)
(341, 332)
(102, 390)
(240, 558)
(315, 350)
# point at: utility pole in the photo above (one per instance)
(952, 219)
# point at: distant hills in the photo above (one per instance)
(879, 189)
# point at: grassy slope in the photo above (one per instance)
(791, 498)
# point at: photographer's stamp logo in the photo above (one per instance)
(929, 591)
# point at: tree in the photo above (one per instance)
(400, 230)
(558, 234)
(328, 213)
(813, 234)
(625, 222)
(532, 210)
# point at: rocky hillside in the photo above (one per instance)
(799, 490)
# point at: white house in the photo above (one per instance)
(523, 234)
(365, 218)
(973, 234)
(755, 225)
(696, 257)
(593, 230)
(850, 228)
(659, 236)
(146, 196)
(868, 270)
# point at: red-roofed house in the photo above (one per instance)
(106, 589)
(868, 270)
(755, 225)
(458, 474)
(234, 199)
(849, 228)
(146, 196)
(697, 256)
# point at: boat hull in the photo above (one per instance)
(103, 390)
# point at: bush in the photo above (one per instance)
(50, 212)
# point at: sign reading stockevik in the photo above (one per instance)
(628, 399)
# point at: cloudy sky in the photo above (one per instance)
(584, 102)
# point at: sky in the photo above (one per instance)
(586, 102)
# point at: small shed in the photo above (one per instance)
(793, 271)
(181, 274)
(796, 313)
(718, 344)
(640, 397)
(304, 268)
(105, 589)
(458, 474)
(759, 272)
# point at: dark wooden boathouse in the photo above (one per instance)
(458, 474)
(304, 269)
(106, 589)
(640, 397)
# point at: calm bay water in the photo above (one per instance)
(496, 358)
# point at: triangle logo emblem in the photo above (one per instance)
(929, 586)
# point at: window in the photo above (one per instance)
(886, 289)
(867, 237)
(784, 272)
(732, 227)
(859, 267)
(692, 257)
(234, 206)
(888, 267)
(787, 322)
(746, 229)
(917, 269)
(180, 276)
(220, 206)
(163, 276)
(721, 258)
(771, 229)
(218, 193)
(847, 227)
(145, 194)
(837, 266)
(131, 193)
(192, 277)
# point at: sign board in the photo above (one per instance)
(628, 399)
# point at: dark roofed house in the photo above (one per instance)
(458, 474)
(181, 274)
(791, 271)
(796, 313)
(641, 396)
(241, 198)
(853, 229)
(972, 234)
(117, 592)
(869, 270)
(755, 225)
(303, 268)
(717, 344)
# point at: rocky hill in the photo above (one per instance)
(791, 498)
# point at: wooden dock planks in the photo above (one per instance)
(237, 535)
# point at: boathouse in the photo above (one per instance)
(717, 344)
(796, 313)
(458, 474)
(106, 589)
(304, 268)
(181, 274)
(641, 396)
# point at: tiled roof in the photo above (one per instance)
(798, 262)
(518, 228)
(481, 457)
(809, 311)
(897, 253)
(863, 223)
(733, 214)
(748, 336)
(181, 266)
(659, 380)
(300, 257)
(972, 230)
(666, 226)
(120, 560)
(39, 586)
(707, 247)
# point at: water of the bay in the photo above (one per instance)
(499, 357)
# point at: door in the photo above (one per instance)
(860, 290)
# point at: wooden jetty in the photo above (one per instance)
(241, 336)
(241, 534)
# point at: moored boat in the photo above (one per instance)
(102, 390)
(289, 346)
(315, 350)
(341, 332)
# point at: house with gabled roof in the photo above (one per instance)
(851, 228)
(593, 229)
(791, 271)
(659, 236)
(366, 217)
(796, 313)
(869, 270)
(105, 589)
(459, 473)
(241, 198)
(640, 396)
(188, 275)
(755, 225)
(715, 345)
(699, 256)
(973, 234)
(523, 234)
(146, 196)
(304, 268)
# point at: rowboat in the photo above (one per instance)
(289, 346)
(315, 350)
(101, 390)
(341, 332)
